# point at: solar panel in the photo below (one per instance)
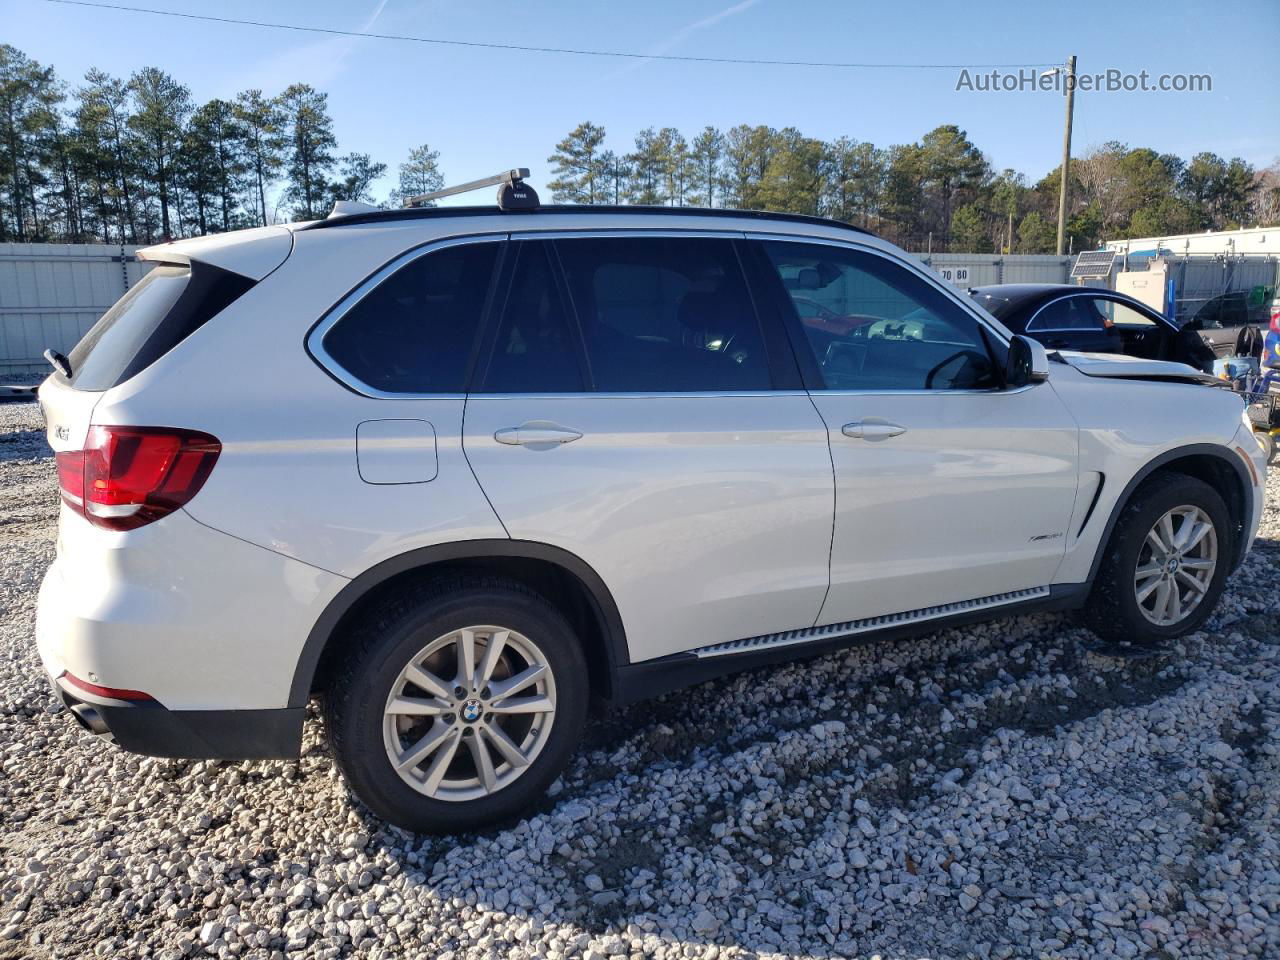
(1093, 264)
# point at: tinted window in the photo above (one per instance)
(1069, 313)
(1114, 313)
(415, 332)
(873, 325)
(1228, 310)
(163, 309)
(664, 315)
(534, 351)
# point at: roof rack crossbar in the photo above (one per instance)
(507, 178)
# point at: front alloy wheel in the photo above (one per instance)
(477, 731)
(1176, 565)
(1165, 564)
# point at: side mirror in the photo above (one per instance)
(1028, 363)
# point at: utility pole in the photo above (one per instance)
(1066, 155)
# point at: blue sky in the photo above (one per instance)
(486, 110)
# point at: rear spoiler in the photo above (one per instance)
(249, 253)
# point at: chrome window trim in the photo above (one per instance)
(1097, 294)
(315, 337)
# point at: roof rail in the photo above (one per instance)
(431, 213)
(513, 192)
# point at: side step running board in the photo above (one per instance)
(868, 625)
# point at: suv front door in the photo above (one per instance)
(948, 488)
(626, 409)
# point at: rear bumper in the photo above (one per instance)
(148, 728)
(199, 620)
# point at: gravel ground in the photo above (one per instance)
(996, 790)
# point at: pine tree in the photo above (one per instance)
(614, 174)
(105, 116)
(418, 175)
(675, 164)
(578, 167)
(706, 158)
(161, 108)
(648, 163)
(358, 172)
(262, 123)
(310, 151)
(29, 96)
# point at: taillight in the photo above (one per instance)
(1275, 321)
(126, 477)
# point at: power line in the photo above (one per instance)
(530, 49)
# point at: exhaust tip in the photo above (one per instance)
(89, 717)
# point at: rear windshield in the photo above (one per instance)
(169, 304)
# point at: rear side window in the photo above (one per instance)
(535, 350)
(1069, 313)
(664, 315)
(163, 309)
(416, 330)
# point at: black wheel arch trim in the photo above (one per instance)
(605, 608)
(1219, 452)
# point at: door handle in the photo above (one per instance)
(870, 430)
(536, 433)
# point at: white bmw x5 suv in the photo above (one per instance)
(458, 471)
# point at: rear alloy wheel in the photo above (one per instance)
(1165, 565)
(475, 733)
(457, 704)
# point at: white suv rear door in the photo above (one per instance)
(948, 488)
(626, 409)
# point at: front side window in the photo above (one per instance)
(664, 315)
(415, 331)
(874, 325)
(1115, 313)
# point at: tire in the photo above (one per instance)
(1114, 611)
(374, 708)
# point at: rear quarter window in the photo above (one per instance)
(163, 309)
(415, 332)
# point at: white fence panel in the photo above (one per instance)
(968, 270)
(51, 293)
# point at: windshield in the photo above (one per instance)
(995, 305)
